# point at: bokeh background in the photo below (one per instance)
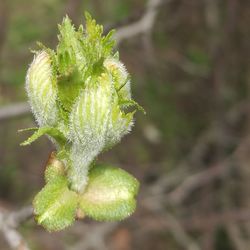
(190, 68)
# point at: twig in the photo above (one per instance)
(181, 176)
(200, 222)
(197, 180)
(143, 25)
(14, 110)
(9, 221)
(235, 234)
(179, 233)
(94, 236)
(173, 225)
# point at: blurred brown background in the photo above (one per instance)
(190, 68)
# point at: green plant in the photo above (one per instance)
(80, 96)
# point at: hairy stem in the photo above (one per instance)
(81, 159)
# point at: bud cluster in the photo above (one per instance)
(79, 95)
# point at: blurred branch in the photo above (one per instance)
(14, 110)
(219, 169)
(217, 133)
(142, 26)
(235, 235)
(198, 180)
(179, 233)
(173, 224)
(93, 236)
(169, 192)
(200, 222)
(9, 221)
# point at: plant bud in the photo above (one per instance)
(79, 95)
(90, 114)
(88, 123)
(42, 90)
(120, 123)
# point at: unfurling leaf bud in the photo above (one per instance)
(42, 90)
(79, 95)
(120, 77)
(96, 123)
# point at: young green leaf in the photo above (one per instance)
(55, 205)
(110, 194)
(42, 90)
(53, 132)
